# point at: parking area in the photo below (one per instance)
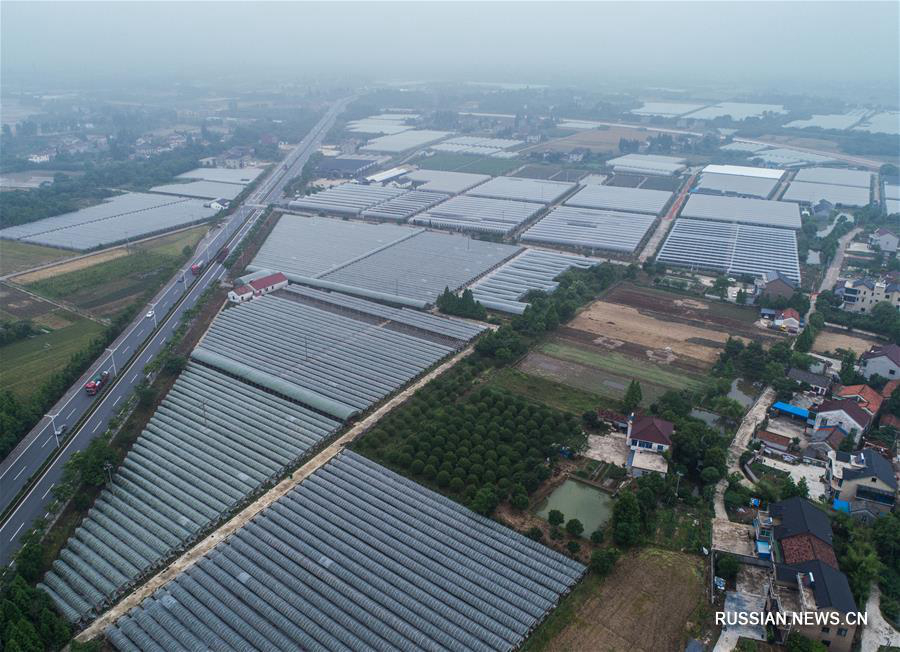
(609, 448)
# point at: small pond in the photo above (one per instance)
(591, 506)
(742, 392)
(709, 418)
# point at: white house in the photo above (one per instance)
(258, 287)
(881, 360)
(649, 433)
(845, 413)
(886, 240)
(788, 320)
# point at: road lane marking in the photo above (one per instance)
(48, 491)
(116, 401)
(134, 377)
(71, 413)
(126, 348)
(95, 427)
(20, 473)
(18, 529)
(46, 442)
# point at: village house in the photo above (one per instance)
(258, 287)
(788, 320)
(819, 383)
(823, 441)
(862, 294)
(883, 361)
(648, 438)
(862, 483)
(884, 239)
(775, 285)
(773, 441)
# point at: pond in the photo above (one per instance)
(591, 506)
(707, 417)
(742, 392)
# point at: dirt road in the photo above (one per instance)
(754, 416)
(878, 631)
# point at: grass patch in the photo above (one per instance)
(546, 392)
(29, 362)
(768, 473)
(19, 256)
(682, 529)
(564, 615)
(621, 365)
(468, 163)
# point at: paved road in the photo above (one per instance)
(120, 359)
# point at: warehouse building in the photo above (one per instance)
(738, 181)
(451, 183)
(804, 192)
(650, 164)
(785, 157)
(591, 229)
(404, 206)
(520, 189)
(534, 269)
(357, 557)
(836, 177)
(632, 200)
(212, 442)
(479, 214)
(757, 212)
(348, 167)
(731, 248)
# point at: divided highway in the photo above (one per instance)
(77, 418)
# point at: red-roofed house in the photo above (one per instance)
(866, 397)
(773, 440)
(789, 320)
(258, 288)
(649, 433)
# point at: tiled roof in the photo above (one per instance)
(865, 396)
(806, 547)
(892, 351)
(268, 281)
(773, 438)
(652, 429)
(799, 516)
(849, 407)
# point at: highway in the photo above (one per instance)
(46, 448)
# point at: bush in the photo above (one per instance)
(573, 547)
(727, 566)
(555, 517)
(535, 533)
(574, 527)
(603, 561)
(597, 536)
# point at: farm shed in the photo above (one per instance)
(482, 214)
(403, 141)
(241, 176)
(346, 199)
(357, 557)
(212, 442)
(737, 185)
(532, 270)
(811, 193)
(651, 164)
(836, 176)
(792, 158)
(731, 248)
(404, 206)
(443, 181)
(521, 189)
(632, 200)
(336, 361)
(118, 219)
(591, 229)
(756, 212)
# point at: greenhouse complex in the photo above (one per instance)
(356, 557)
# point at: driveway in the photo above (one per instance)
(878, 632)
(753, 418)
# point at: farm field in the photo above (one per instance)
(830, 340)
(17, 256)
(28, 363)
(665, 341)
(631, 609)
(106, 288)
(546, 390)
(468, 163)
(605, 141)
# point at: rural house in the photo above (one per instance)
(846, 413)
(885, 240)
(819, 383)
(258, 287)
(775, 285)
(649, 433)
(864, 482)
(881, 360)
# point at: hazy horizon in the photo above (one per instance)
(847, 49)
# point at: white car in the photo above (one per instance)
(150, 314)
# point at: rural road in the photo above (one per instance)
(753, 418)
(150, 332)
(662, 228)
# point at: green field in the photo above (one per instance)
(107, 288)
(468, 163)
(546, 392)
(29, 362)
(19, 256)
(622, 366)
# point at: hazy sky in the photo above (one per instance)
(785, 45)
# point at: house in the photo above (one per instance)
(820, 384)
(823, 441)
(788, 320)
(889, 388)
(258, 287)
(649, 433)
(805, 576)
(641, 462)
(866, 397)
(862, 294)
(885, 240)
(816, 588)
(890, 421)
(775, 285)
(773, 440)
(613, 419)
(864, 481)
(217, 204)
(846, 413)
(883, 361)
(822, 208)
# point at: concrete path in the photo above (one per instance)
(753, 418)
(878, 632)
(834, 267)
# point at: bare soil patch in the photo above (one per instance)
(832, 340)
(70, 266)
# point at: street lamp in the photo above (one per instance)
(53, 427)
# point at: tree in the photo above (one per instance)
(796, 642)
(485, 501)
(574, 527)
(145, 394)
(727, 566)
(633, 396)
(720, 286)
(573, 547)
(597, 536)
(626, 520)
(804, 341)
(741, 297)
(604, 560)
(555, 517)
